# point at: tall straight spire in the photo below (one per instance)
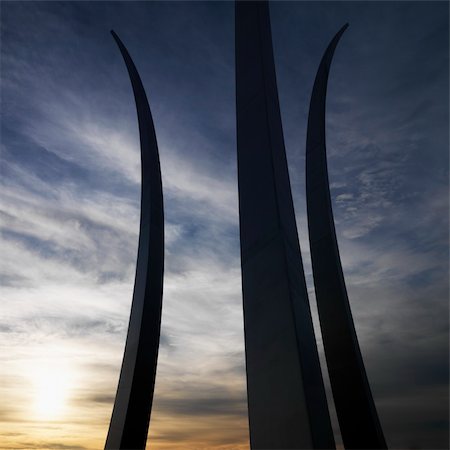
(286, 397)
(132, 407)
(358, 419)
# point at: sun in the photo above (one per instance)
(51, 392)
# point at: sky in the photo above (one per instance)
(70, 199)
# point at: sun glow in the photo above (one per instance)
(51, 391)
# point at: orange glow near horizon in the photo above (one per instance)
(58, 402)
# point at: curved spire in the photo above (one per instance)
(358, 419)
(132, 407)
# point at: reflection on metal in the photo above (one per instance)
(358, 419)
(131, 414)
(286, 397)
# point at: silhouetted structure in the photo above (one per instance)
(358, 419)
(131, 415)
(286, 396)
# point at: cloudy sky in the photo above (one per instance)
(70, 186)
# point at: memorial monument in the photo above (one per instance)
(287, 404)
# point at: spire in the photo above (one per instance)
(286, 397)
(358, 419)
(132, 407)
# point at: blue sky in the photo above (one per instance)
(70, 179)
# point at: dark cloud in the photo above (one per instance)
(207, 405)
(98, 398)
